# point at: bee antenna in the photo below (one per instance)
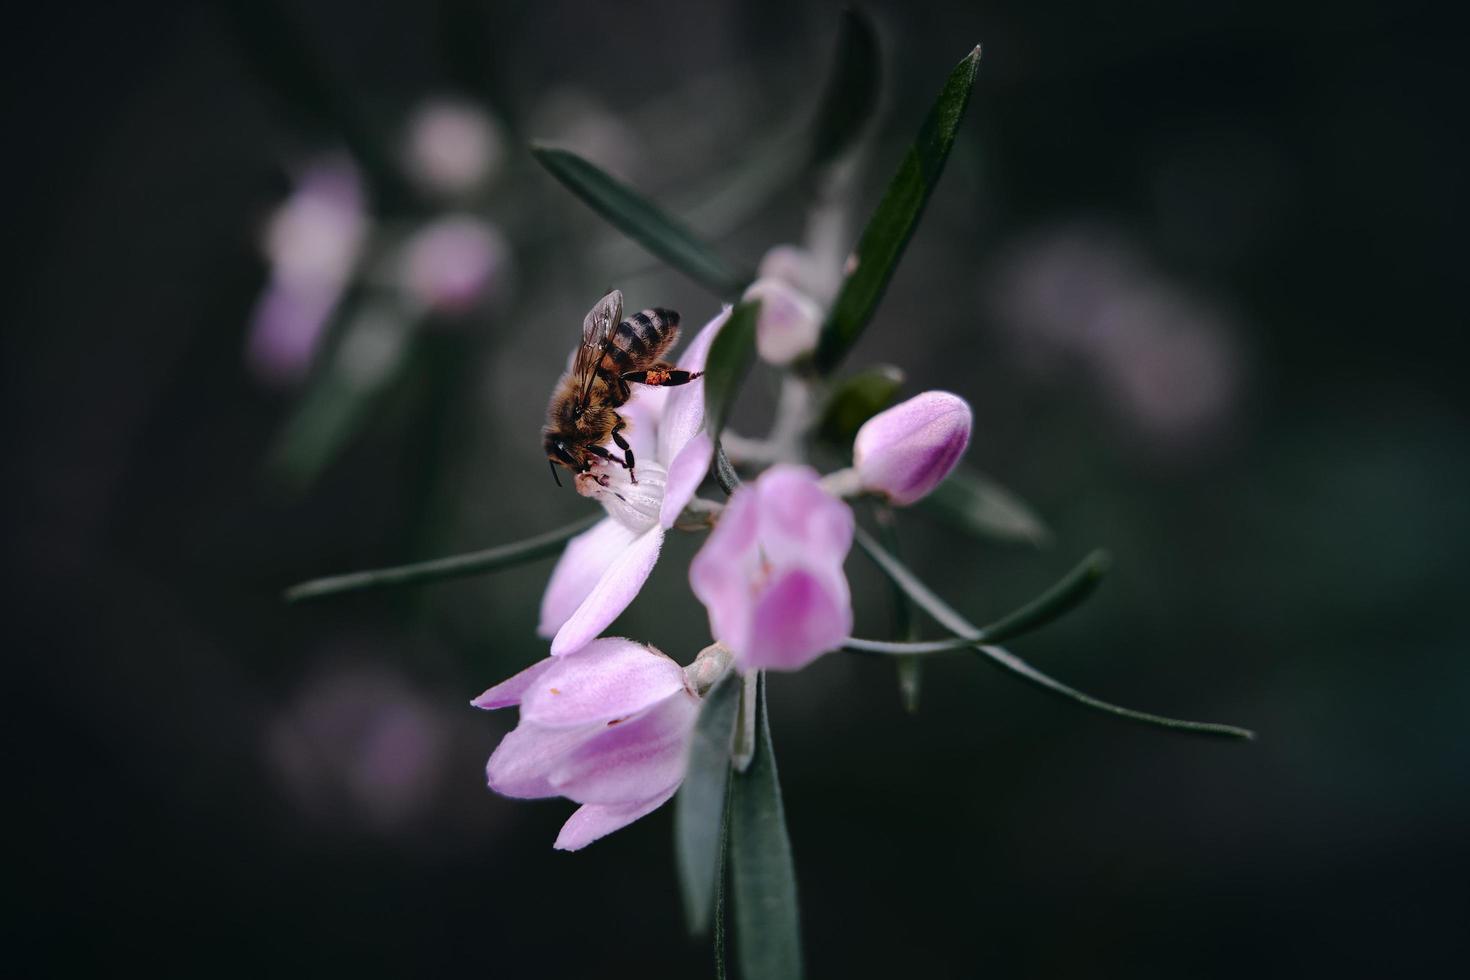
(554, 475)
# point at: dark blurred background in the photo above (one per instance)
(1199, 268)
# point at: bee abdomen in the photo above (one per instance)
(643, 338)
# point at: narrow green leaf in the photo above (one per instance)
(855, 400)
(730, 357)
(725, 474)
(979, 505)
(439, 569)
(699, 809)
(720, 875)
(762, 876)
(1056, 601)
(893, 223)
(664, 236)
(947, 617)
(851, 95)
(910, 669)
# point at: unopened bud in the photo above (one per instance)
(908, 450)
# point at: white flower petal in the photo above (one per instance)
(583, 562)
(684, 409)
(686, 472)
(615, 588)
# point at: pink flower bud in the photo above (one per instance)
(770, 573)
(789, 321)
(908, 450)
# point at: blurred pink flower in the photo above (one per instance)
(361, 747)
(453, 146)
(906, 451)
(604, 567)
(607, 727)
(313, 242)
(454, 263)
(770, 574)
(1168, 361)
(789, 321)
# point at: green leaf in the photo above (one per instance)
(851, 95)
(1055, 602)
(730, 357)
(896, 217)
(855, 400)
(762, 876)
(439, 569)
(699, 809)
(965, 630)
(979, 505)
(640, 219)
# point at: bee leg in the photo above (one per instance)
(662, 375)
(617, 434)
(600, 451)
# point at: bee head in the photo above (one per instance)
(558, 454)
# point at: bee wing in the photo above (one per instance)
(599, 323)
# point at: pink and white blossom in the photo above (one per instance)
(604, 567)
(454, 263)
(906, 451)
(770, 574)
(313, 241)
(789, 322)
(607, 726)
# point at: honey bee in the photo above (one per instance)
(614, 354)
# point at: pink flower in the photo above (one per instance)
(908, 450)
(453, 146)
(607, 727)
(604, 567)
(770, 574)
(453, 263)
(788, 324)
(313, 241)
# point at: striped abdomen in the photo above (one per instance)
(640, 341)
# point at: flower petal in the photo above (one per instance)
(800, 522)
(615, 588)
(596, 820)
(606, 680)
(642, 412)
(632, 760)
(521, 762)
(684, 409)
(722, 570)
(686, 473)
(511, 690)
(801, 615)
(583, 562)
(906, 451)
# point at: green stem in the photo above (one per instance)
(439, 569)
